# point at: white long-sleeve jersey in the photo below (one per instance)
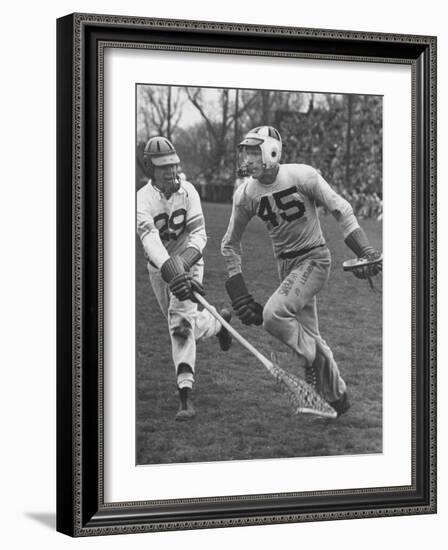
(289, 208)
(166, 227)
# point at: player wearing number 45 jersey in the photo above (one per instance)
(171, 227)
(286, 197)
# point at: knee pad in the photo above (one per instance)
(180, 327)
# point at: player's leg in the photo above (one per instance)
(324, 367)
(290, 315)
(185, 324)
(181, 318)
(161, 291)
(295, 293)
(205, 324)
(181, 324)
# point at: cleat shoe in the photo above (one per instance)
(312, 377)
(186, 413)
(224, 336)
(186, 410)
(341, 405)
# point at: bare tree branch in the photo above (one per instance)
(247, 105)
(194, 98)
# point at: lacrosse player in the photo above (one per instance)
(286, 197)
(171, 227)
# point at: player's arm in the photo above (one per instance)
(354, 235)
(248, 311)
(231, 247)
(152, 244)
(195, 227)
(172, 268)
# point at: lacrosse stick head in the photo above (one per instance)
(354, 263)
(303, 397)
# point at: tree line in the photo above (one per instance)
(340, 135)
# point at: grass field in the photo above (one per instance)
(240, 413)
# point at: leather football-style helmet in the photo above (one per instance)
(159, 152)
(268, 139)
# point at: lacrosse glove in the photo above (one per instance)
(368, 271)
(247, 309)
(180, 283)
(189, 257)
(357, 242)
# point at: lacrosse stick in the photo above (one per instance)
(303, 398)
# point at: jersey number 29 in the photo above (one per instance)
(290, 210)
(171, 227)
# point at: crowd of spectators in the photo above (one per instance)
(365, 204)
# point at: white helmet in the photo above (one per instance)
(270, 143)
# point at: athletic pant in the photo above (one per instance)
(291, 316)
(185, 324)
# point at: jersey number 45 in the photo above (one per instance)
(287, 207)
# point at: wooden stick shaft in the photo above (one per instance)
(264, 360)
(300, 404)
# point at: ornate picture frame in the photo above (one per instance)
(81, 506)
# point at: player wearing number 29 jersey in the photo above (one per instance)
(171, 228)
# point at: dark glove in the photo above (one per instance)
(171, 268)
(368, 271)
(249, 312)
(190, 256)
(247, 309)
(183, 286)
(357, 242)
(180, 282)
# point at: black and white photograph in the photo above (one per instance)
(246, 275)
(98, 443)
(258, 291)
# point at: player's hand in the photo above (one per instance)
(181, 283)
(249, 312)
(368, 271)
(173, 267)
(183, 287)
